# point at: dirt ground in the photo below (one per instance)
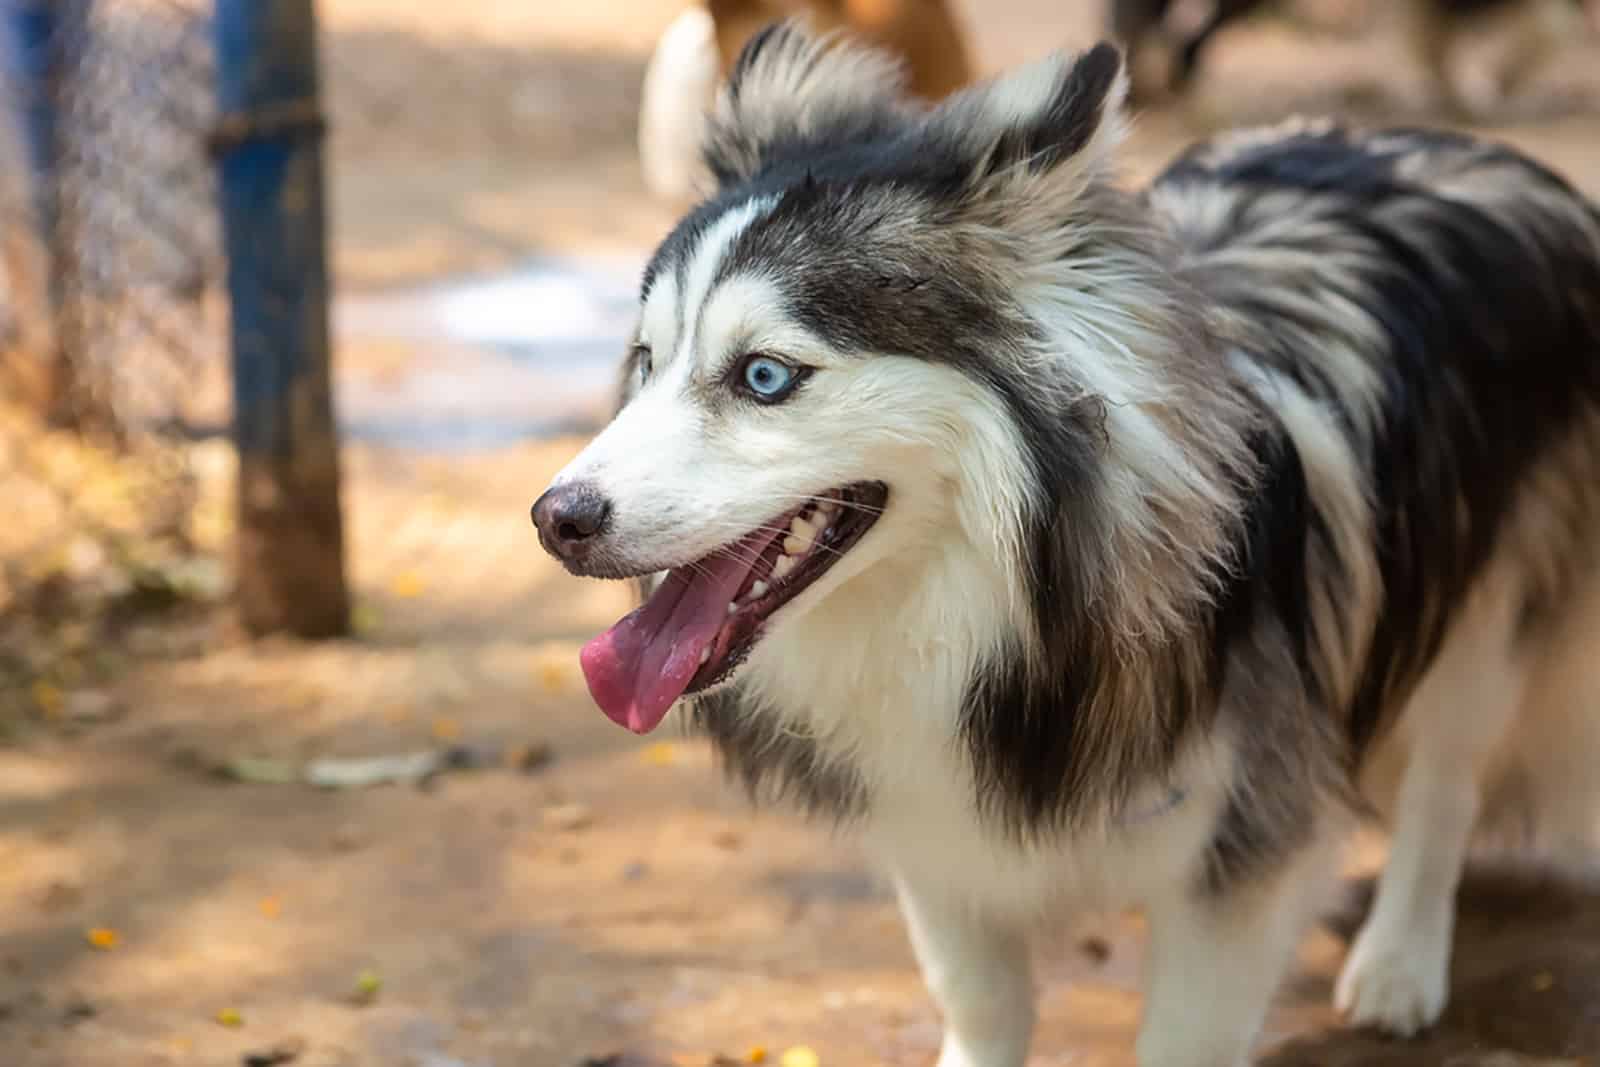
(615, 900)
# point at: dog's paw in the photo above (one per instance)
(1396, 983)
(956, 1055)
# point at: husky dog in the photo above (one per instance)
(1082, 549)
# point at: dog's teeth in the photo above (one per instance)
(732, 607)
(802, 534)
(705, 656)
(783, 566)
(758, 590)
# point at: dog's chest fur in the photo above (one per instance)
(856, 713)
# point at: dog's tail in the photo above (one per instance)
(678, 88)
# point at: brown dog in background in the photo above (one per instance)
(697, 50)
(923, 32)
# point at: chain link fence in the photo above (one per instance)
(114, 374)
(114, 325)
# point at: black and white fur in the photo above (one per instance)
(1217, 512)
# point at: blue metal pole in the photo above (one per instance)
(42, 38)
(290, 551)
(34, 55)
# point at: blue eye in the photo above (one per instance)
(768, 378)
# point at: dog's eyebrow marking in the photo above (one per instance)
(661, 302)
(699, 271)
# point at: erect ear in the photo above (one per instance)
(791, 89)
(1039, 135)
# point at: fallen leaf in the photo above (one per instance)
(368, 985)
(555, 677)
(365, 619)
(261, 771)
(1543, 982)
(660, 754)
(445, 729)
(230, 1018)
(529, 756)
(102, 937)
(407, 585)
(758, 1054)
(799, 1056)
(555, 667)
(49, 698)
(271, 906)
(728, 840)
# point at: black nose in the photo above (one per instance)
(570, 518)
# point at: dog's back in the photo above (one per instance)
(1439, 297)
(1422, 312)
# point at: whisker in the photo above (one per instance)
(738, 552)
(727, 550)
(815, 499)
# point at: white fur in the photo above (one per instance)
(1211, 967)
(679, 84)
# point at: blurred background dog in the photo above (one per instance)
(1166, 40)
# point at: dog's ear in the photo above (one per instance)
(1036, 137)
(790, 89)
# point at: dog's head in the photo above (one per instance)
(850, 358)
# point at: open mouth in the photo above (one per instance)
(706, 616)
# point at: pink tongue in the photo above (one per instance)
(639, 667)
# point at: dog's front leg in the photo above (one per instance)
(978, 971)
(1215, 959)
